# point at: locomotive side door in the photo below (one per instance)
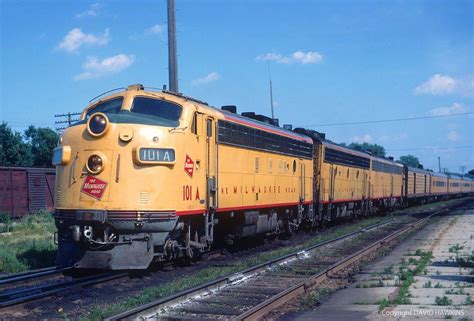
(211, 176)
(211, 164)
(302, 182)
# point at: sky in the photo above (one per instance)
(330, 62)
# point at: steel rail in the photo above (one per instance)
(27, 275)
(33, 293)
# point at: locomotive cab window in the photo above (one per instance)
(111, 106)
(157, 108)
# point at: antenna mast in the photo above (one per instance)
(172, 48)
(271, 90)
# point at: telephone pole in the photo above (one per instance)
(172, 48)
(68, 120)
(439, 163)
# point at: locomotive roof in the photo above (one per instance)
(225, 114)
(439, 174)
(418, 170)
(327, 143)
(261, 125)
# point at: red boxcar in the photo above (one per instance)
(25, 189)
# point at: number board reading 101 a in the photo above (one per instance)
(157, 155)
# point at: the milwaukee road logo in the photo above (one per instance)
(94, 187)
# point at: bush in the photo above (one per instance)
(4, 218)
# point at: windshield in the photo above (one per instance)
(112, 106)
(156, 108)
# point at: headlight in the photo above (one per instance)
(97, 124)
(95, 164)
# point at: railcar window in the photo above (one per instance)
(112, 106)
(156, 108)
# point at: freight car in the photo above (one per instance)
(26, 189)
(147, 175)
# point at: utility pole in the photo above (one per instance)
(172, 49)
(69, 120)
(271, 90)
(439, 163)
(463, 169)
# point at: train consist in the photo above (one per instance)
(147, 175)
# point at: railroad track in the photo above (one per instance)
(32, 274)
(256, 291)
(21, 295)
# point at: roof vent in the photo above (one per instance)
(136, 87)
(230, 108)
(249, 114)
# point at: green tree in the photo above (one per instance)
(374, 149)
(471, 172)
(13, 150)
(41, 142)
(409, 160)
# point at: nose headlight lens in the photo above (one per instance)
(95, 164)
(97, 124)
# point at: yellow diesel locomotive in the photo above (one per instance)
(152, 175)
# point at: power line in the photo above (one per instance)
(429, 148)
(387, 120)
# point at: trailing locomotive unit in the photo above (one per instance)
(150, 175)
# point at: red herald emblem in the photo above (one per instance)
(93, 187)
(189, 166)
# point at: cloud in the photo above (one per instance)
(453, 136)
(436, 85)
(455, 108)
(95, 68)
(213, 76)
(92, 11)
(75, 39)
(444, 84)
(362, 139)
(155, 30)
(310, 57)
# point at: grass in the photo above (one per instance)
(406, 275)
(444, 300)
(315, 297)
(28, 244)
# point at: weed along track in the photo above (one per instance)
(254, 292)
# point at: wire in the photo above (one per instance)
(388, 120)
(429, 148)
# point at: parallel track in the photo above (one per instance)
(17, 296)
(254, 292)
(32, 274)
